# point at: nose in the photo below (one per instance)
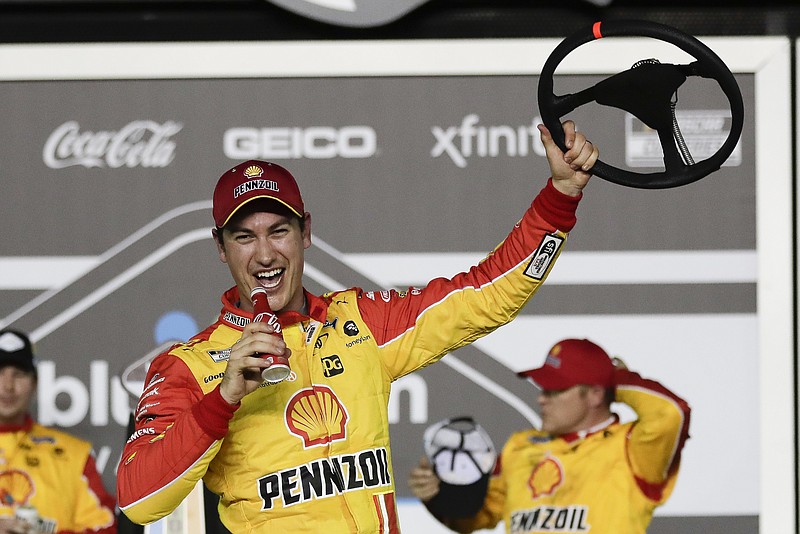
(265, 252)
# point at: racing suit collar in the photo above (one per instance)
(234, 316)
(26, 426)
(581, 434)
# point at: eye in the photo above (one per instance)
(243, 238)
(281, 231)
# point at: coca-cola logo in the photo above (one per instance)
(142, 143)
(269, 318)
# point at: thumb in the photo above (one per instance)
(550, 146)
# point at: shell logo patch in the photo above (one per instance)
(316, 416)
(546, 477)
(16, 487)
(253, 171)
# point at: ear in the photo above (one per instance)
(307, 230)
(216, 233)
(596, 396)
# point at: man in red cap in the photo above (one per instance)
(584, 470)
(311, 453)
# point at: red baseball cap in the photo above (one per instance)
(571, 362)
(251, 180)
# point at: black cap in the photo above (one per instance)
(16, 350)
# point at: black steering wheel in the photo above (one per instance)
(646, 91)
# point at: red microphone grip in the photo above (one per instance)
(279, 369)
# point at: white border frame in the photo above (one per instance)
(768, 58)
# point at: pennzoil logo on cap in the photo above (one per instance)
(246, 187)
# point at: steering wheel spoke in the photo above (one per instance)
(673, 162)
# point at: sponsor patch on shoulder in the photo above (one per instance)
(544, 256)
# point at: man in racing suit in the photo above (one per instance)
(48, 479)
(584, 471)
(311, 453)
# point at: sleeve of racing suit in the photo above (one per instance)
(178, 432)
(418, 327)
(659, 433)
(94, 507)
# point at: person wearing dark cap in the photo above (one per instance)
(48, 479)
(583, 470)
(310, 453)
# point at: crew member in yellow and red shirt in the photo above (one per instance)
(584, 470)
(46, 475)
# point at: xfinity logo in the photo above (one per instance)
(469, 139)
(315, 142)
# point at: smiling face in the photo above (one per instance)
(16, 392)
(264, 245)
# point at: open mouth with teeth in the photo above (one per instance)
(270, 278)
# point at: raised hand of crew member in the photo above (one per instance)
(243, 373)
(423, 482)
(570, 170)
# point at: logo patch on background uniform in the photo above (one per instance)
(544, 256)
(546, 477)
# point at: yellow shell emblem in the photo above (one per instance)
(316, 416)
(16, 487)
(253, 171)
(546, 477)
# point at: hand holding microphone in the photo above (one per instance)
(279, 369)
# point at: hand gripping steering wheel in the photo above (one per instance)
(646, 91)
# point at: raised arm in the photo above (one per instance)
(657, 438)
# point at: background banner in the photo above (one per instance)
(415, 159)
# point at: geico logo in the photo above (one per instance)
(66, 401)
(469, 139)
(316, 142)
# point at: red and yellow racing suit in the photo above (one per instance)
(607, 480)
(311, 454)
(55, 473)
